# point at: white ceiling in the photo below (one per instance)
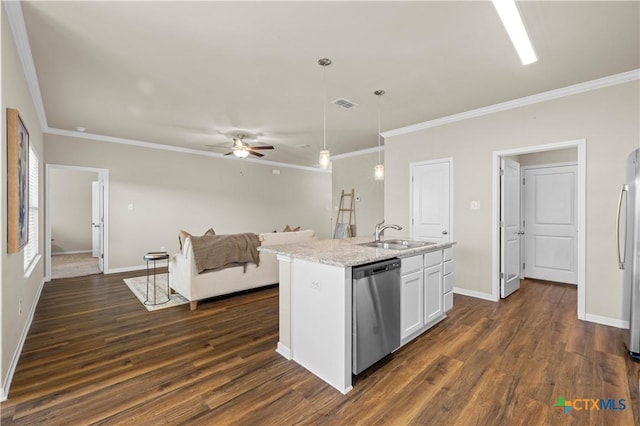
(183, 73)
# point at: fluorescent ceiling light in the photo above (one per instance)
(512, 21)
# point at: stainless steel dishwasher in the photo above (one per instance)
(376, 312)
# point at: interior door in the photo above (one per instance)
(551, 243)
(430, 196)
(97, 222)
(510, 232)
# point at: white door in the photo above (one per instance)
(430, 198)
(509, 227)
(97, 222)
(551, 244)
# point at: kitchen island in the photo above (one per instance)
(315, 299)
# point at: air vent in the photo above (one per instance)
(345, 103)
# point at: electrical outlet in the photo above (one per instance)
(316, 285)
(20, 307)
(163, 248)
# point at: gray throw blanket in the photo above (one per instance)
(214, 252)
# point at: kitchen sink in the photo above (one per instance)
(396, 244)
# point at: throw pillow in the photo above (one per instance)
(287, 229)
(182, 235)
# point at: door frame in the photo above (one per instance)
(424, 163)
(103, 174)
(581, 145)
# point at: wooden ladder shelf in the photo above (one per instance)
(345, 229)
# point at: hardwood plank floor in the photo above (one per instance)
(95, 355)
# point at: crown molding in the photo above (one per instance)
(19, 30)
(151, 145)
(575, 89)
(357, 153)
(21, 38)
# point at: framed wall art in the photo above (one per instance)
(17, 182)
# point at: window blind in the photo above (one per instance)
(31, 249)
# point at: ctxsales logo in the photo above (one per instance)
(589, 404)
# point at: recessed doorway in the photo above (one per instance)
(578, 148)
(76, 221)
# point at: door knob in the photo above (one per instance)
(444, 232)
(520, 232)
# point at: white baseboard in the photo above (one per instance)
(612, 322)
(6, 383)
(284, 351)
(125, 269)
(58, 253)
(473, 293)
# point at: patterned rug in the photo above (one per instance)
(138, 286)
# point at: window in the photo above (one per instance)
(31, 249)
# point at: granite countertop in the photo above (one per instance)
(345, 252)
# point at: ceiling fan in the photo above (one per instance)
(242, 149)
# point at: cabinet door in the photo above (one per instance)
(411, 303)
(432, 293)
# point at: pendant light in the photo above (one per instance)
(325, 158)
(379, 169)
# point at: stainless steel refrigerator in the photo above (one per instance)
(629, 248)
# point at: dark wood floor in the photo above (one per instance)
(94, 355)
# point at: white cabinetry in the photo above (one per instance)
(426, 291)
(447, 276)
(411, 301)
(432, 287)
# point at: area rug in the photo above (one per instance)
(138, 286)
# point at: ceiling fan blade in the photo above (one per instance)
(257, 154)
(262, 147)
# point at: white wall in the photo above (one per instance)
(15, 287)
(357, 173)
(70, 210)
(607, 118)
(170, 191)
(548, 157)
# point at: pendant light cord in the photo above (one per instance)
(324, 105)
(379, 96)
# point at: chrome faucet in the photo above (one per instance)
(380, 229)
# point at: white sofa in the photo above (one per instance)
(184, 278)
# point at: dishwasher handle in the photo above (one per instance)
(384, 268)
(376, 268)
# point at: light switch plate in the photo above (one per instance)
(475, 205)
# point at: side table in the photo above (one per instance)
(155, 256)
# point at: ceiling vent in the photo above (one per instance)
(345, 103)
